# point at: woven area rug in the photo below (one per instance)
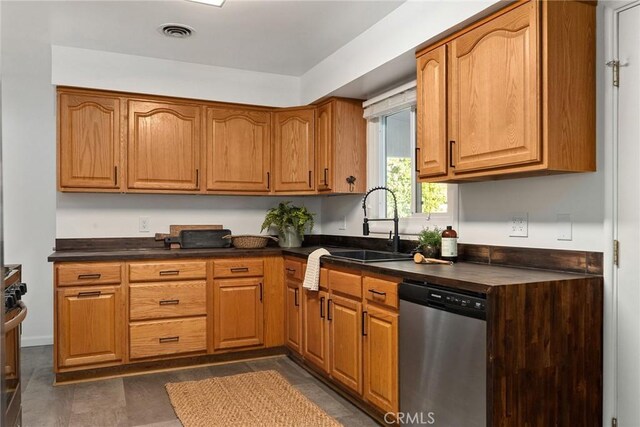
(253, 399)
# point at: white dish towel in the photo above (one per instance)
(312, 275)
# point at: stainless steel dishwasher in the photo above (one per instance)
(443, 345)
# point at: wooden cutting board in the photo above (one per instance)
(174, 230)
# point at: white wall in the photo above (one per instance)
(114, 71)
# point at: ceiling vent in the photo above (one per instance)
(178, 31)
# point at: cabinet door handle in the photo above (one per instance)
(322, 307)
(169, 272)
(329, 309)
(268, 180)
(364, 315)
(89, 276)
(89, 294)
(418, 159)
(451, 154)
(310, 179)
(239, 269)
(373, 291)
(168, 339)
(169, 302)
(326, 171)
(260, 291)
(295, 297)
(197, 178)
(115, 175)
(291, 270)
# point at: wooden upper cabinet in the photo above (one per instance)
(89, 142)
(238, 150)
(431, 152)
(341, 147)
(163, 146)
(494, 93)
(294, 150)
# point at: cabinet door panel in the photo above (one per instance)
(324, 142)
(294, 317)
(494, 87)
(294, 150)
(345, 329)
(316, 329)
(89, 141)
(431, 153)
(164, 146)
(90, 325)
(238, 150)
(238, 314)
(381, 358)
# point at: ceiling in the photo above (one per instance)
(282, 37)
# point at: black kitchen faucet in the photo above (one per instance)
(395, 240)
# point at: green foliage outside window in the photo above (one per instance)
(434, 196)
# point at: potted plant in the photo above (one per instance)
(290, 221)
(429, 242)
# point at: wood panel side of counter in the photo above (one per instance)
(545, 342)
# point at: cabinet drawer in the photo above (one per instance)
(293, 269)
(164, 337)
(346, 283)
(161, 300)
(238, 268)
(88, 273)
(381, 291)
(155, 271)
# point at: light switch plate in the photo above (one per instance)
(519, 224)
(564, 227)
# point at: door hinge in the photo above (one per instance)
(614, 422)
(615, 65)
(616, 254)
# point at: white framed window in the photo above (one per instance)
(391, 142)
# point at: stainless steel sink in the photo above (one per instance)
(366, 256)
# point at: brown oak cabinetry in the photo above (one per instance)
(238, 150)
(89, 142)
(89, 319)
(316, 327)
(163, 146)
(294, 136)
(512, 95)
(345, 341)
(341, 147)
(238, 319)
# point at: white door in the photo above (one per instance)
(628, 220)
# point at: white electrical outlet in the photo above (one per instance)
(564, 226)
(144, 224)
(343, 223)
(519, 224)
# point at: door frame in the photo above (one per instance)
(609, 51)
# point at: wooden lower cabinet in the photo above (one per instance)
(345, 341)
(293, 316)
(90, 326)
(238, 313)
(316, 328)
(165, 337)
(380, 348)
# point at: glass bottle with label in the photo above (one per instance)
(450, 244)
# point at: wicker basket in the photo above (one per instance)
(250, 241)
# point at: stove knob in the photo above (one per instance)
(23, 288)
(9, 302)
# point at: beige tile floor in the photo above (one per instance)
(142, 400)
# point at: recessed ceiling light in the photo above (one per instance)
(216, 3)
(179, 31)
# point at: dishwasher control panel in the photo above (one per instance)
(467, 304)
(456, 300)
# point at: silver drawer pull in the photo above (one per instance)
(170, 272)
(170, 302)
(89, 294)
(239, 269)
(373, 291)
(168, 339)
(89, 276)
